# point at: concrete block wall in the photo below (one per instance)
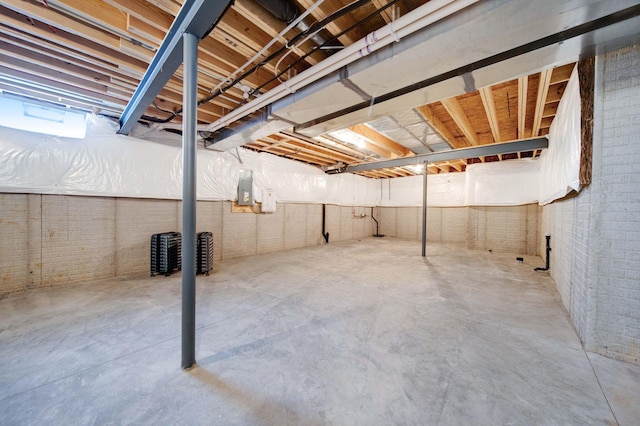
(14, 242)
(567, 222)
(136, 220)
(502, 229)
(55, 240)
(595, 235)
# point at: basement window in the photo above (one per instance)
(34, 116)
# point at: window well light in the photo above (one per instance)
(35, 116)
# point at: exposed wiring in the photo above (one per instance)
(293, 48)
(292, 25)
(315, 27)
(367, 18)
(159, 108)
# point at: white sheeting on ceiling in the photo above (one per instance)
(409, 129)
(107, 164)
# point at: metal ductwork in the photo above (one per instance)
(287, 11)
(440, 60)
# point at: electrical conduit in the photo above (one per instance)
(415, 20)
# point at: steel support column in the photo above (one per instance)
(424, 210)
(189, 121)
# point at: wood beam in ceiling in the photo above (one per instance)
(66, 41)
(142, 29)
(169, 6)
(42, 81)
(107, 43)
(57, 20)
(458, 115)
(15, 41)
(56, 97)
(273, 27)
(432, 169)
(336, 147)
(486, 94)
(382, 141)
(523, 83)
(432, 120)
(107, 16)
(53, 73)
(195, 19)
(562, 73)
(144, 11)
(386, 14)
(74, 45)
(543, 90)
(242, 30)
(331, 155)
(59, 62)
(336, 26)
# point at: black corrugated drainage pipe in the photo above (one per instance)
(546, 268)
(325, 235)
(377, 234)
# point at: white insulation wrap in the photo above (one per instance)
(503, 183)
(560, 170)
(508, 183)
(107, 164)
(443, 190)
(149, 165)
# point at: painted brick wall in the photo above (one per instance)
(78, 239)
(595, 258)
(136, 221)
(295, 225)
(14, 243)
(617, 323)
(53, 240)
(505, 229)
(314, 225)
(502, 229)
(567, 222)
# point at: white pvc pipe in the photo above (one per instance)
(281, 34)
(413, 21)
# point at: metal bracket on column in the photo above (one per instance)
(197, 17)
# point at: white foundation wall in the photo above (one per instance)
(510, 229)
(595, 236)
(56, 240)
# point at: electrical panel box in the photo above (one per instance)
(245, 188)
(268, 201)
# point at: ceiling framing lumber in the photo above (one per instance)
(196, 17)
(93, 54)
(386, 14)
(523, 83)
(543, 90)
(486, 94)
(458, 115)
(334, 27)
(432, 120)
(376, 138)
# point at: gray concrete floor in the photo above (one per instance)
(352, 333)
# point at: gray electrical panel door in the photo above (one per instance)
(245, 188)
